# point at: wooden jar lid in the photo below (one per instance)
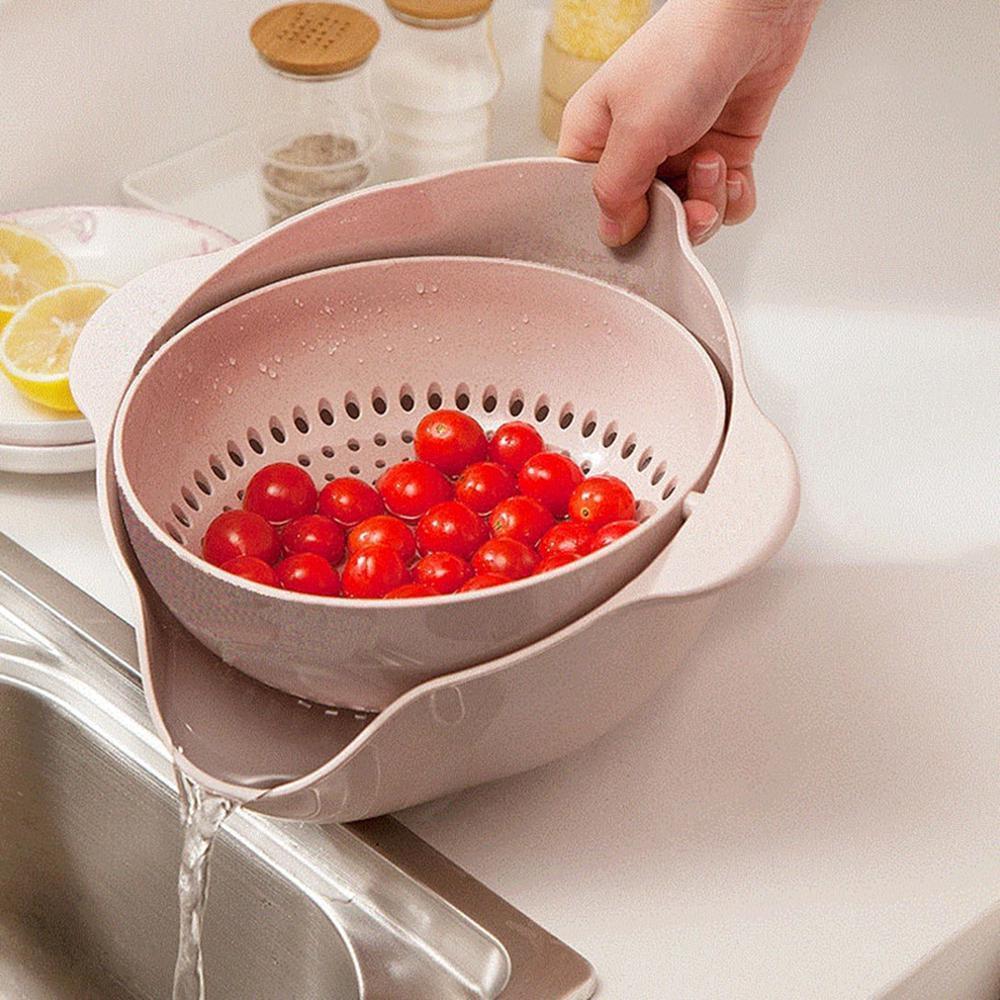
(314, 39)
(439, 10)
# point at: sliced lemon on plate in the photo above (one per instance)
(29, 265)
(38, 340)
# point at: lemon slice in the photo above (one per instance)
(38, 340)
(29, 266)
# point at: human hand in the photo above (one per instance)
(687, 99)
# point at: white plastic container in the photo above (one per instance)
(436, 78)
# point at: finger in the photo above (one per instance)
(586, 122)
(706, 182)
(702, 220)
(741, 196)
(625, 171)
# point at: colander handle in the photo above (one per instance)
(119, 335)
(744, 515)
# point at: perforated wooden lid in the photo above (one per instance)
(314, 39)
(439, 10)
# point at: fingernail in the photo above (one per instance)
(708, 172)
(706, 225)
(609, 231)
(734, 189)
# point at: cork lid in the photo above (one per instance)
(439, 10)
(314, 39)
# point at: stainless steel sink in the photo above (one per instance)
(89, 841)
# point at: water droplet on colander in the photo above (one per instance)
(524, 319)
(388, 348)
(379, 309)
(232, 361)
(416, 326)
(277, 359)
(420, 288)
(430, 340)
(272, 373)
(190, 367)
(434, 288)
(262, 367)
(229, 390)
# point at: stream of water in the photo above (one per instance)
(202, 815)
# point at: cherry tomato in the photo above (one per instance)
(483, 581)
(374, 571)
(567, 536)
(555, 561)
(252, 568)
(410, 489)
(280, 493)
(349, 501)
(505, 556)
(550, 478)
(611, 532)
(450, 441)
(600, 500)
(483, 485)
(443, 572)
(384, 529)
(308, 573)
(523, 518)
(314, 533)
(240, 533)
(451, 527)
(411, 590)
(514, 443)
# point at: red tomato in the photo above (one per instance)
(384, 529)
(451, 527)
(349, 501)
(600, 500)
(240, 533)
(514, 443)
(611, 532)
(567, 536)
(483, 485)
(280, 492)
(252, 568)
(411, 590)
(505, 556)
(523, 518)
(308, 573)
(410, 489)
(374, 571)
(450, 441)
(550, 478)
(483, 581)
(443, 572)
(555, 561)
(314, 533)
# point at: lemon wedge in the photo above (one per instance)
(29, 266)
(38, 340)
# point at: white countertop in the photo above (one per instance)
(811, 806)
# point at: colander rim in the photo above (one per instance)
(199, 564)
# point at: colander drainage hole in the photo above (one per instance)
(326, 451)
(329, 477)
(406, 398)
(668, 490)
(628, 446)
(658, 473)
(566, 418)
(516, 404)
(218, 469)
(379, 463)
(379, 440)
(379, 404)
(301, 424)
(353, 444)
(325, 412)
(255, 442)
(462, 399)
(589, 425)
(190, 499)
(542, 409)
(355, 470)
(610, 435)
(174, 534)
(201, 481)
(406, 437)
(585, 468)
(351, 406)
(180, 515)
(490, 399)
(305, 461)
(235, 454)
(434, 397)
(644, 460)
(277, 431)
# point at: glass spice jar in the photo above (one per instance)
(319, 127)
(436, 78)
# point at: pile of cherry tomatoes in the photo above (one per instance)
(468, 513)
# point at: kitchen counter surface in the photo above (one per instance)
(810, 807)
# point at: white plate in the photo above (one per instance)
(49, 460)
(112, 244)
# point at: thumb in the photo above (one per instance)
(627, 159)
